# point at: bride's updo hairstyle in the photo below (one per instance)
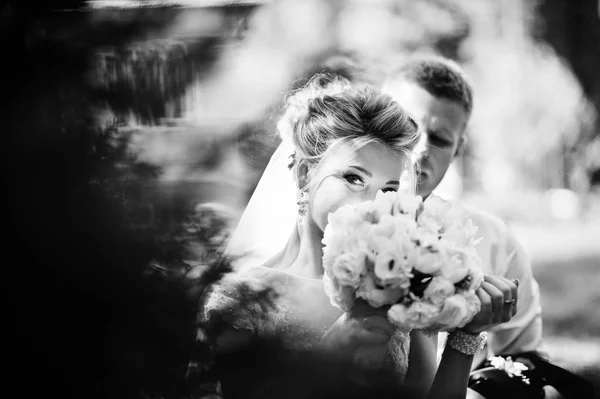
(328, 111)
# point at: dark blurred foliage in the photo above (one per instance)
(97, 302)
(150, 72)
(143, 79)
(256, 142)
(573, 31)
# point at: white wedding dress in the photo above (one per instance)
(302, 314)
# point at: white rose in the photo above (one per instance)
(476, 278)
(340, 296)
(339, 223)
(428, 223)
(428, 262)
(345, 217)
(434, 214)
(393, 259)
(348, 268)
(454, 273)
(407, 248)
(473, 306)
(381, 244)
(454, 311)
(430, 241)
(405, 224)
(333, 241)
(377, 296)
(357, 236)
(418, 315)
(344, 238)
(438, 290)
(461, 235)
(464, 267)
(384, 202)
(437, 207)
(368, 212)
(385, 227)
(475, 274)
(408, 204)
(392, 269)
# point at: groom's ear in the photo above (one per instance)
(302, 172)
(461, 146)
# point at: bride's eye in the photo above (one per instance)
(354, 179)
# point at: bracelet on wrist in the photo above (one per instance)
(469, 344)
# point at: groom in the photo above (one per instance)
(438, 94)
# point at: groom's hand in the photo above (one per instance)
(498, 297)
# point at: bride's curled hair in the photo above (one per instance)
(328, 111)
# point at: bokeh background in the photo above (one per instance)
(179, 100)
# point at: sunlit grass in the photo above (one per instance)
(567, 269)
(570, 290)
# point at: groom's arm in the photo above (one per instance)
(523, 333)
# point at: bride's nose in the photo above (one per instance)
(366, 195)
(421, 149)
(357, 198)
(371, 193)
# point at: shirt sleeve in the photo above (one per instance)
(523, 333)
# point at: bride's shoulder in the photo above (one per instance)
(233, 298)
(256, 277)
(255, 272)
(265, 276)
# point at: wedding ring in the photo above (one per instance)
(511, 301)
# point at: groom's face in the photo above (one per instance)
(441, 123)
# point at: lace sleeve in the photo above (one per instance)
(222, 301)
(398, 350)
(238, 301)
(242, 302)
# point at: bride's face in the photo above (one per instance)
(348, 176)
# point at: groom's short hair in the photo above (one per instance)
(441, 77)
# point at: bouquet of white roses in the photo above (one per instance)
(419, 260)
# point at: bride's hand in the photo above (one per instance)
(498, 297)
(363, 329)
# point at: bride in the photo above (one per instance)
(344, 145)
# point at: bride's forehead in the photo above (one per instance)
(371, 156)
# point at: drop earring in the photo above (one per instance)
(302, 206)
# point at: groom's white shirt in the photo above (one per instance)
(504, 256)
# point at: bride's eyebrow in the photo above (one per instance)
(366, 172)
(393, 182)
